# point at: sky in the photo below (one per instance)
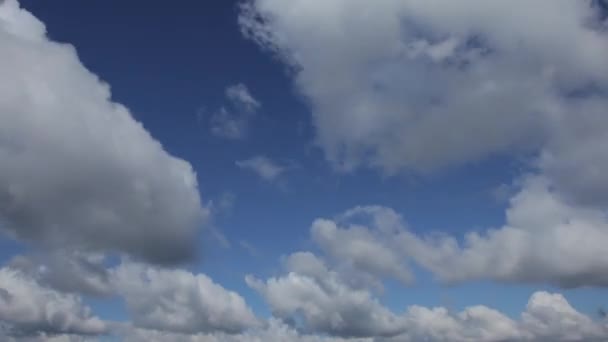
(305, 170)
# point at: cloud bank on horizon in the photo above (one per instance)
(401, 87)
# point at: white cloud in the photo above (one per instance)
(540, 243)
(232, 121)
(551, 318)
(317, 300)
(265, 168)
(362, 250)
(29, 309)
(416, 85)
(179, 301)
(77, 169)
(273, 330)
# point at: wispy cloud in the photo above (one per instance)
(265, 168)
(232, 120)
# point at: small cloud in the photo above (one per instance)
(232, 120)
(265, 168)
(240, 96)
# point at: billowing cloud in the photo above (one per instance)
(28, 309)
(72, 272)
(265, 168)
(362, 250)
(232, 121)
(77, 169)
(415, 85)
(317, 300)
(179, 301)
(273, 330)
(540, 243)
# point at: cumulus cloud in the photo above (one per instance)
(232, 120)
(265, 168)
(361, 250)
(317, 300)
(314, 299)
(74, 272)
(273, 330)
(29, 309)
(77, 169)
(416, 85)
(547, 317)
(179, 301)
(540, 243)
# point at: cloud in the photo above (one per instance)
(416, 86)
(265, 168)
(73, 272)
(548, 317)
(362, 250)
(29, 309)
(180, 302)
(539, 243)
(239, 95)
(273, 330)
(78, 170)
(314, 299)
(233, 120)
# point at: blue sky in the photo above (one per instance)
(330, 115)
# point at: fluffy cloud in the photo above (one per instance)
(232, 121)
(65, 271)
(417, 85)
(265, 168)
(315, 299)
(29, 309)
(361, 250)
(179, 301)
(548, 317)
(77, 169)
(540, 242)
(273, 330)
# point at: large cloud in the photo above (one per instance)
(540, 242)
(179, 301)
(317, 300)
(29, 309)
(71, 272)
(417, 85)
(77, 168)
